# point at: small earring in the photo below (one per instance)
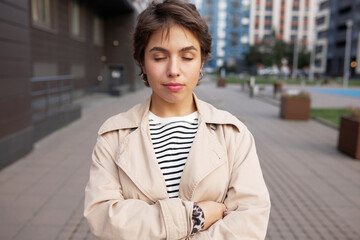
(201, 76)
(144, 78)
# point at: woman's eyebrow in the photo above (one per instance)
(185, 49)
(160, 49)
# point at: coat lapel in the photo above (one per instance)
(205, 156)
(137, 159)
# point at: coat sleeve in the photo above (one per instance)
(247, 200)
(110, 216)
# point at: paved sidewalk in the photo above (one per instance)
(315, 190)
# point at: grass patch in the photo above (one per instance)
(231, 79)
(332, 115)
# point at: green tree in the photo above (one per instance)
(304, 58)
(272, 52)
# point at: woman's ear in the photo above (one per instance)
(202, 65)
(143, 68)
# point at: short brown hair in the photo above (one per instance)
(162, 16)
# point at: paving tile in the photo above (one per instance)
(37, 232)
(51, 217)
(8, 231)
(16, 215)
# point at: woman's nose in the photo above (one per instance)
(173, 68)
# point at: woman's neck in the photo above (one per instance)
(162, 108)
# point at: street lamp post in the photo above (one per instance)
(312, 59)
(295, 58)
(349, 25)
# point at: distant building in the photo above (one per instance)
(229, 22)
(290, 19)
(331, 29)
(53, 51)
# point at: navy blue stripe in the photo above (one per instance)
(168, 129)
(170, 155)
(173, 160)
(157, 138)
(177, 143)
(172, 149)
(173, 172)
(173, 185)
(175, 166)
(174, 137)
(171, 179)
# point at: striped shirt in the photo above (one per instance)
(172, 139)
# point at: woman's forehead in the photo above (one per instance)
(173, 35)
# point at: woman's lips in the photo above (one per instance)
(174, 87)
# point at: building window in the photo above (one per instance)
(345, 10)
(324, 5)
(341, 27)
(208, 19)
(318, 49)
(267, 38)
(268, 22)
(98, 31)
(234, 39)
(75, 18)
(234, 4)
(341, 43)
(322, 34)
(295, 8)
(234, 20)
(41, 13)
(245, 5)
(209, 3)
(320, 20)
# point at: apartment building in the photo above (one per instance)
(229, 22)
(292, 20)
(335, 19)
(52, 51)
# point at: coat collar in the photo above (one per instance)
(206, 153)
(137, 116)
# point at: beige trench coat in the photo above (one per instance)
(126, 196)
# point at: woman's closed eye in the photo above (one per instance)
(159, 58)
(188, 58)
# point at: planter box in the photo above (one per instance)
(221, 82)
(349, 136)
(296, 108)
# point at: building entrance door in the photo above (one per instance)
(116, 80)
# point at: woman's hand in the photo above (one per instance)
(213, 211)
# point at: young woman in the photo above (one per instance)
(175, 167)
